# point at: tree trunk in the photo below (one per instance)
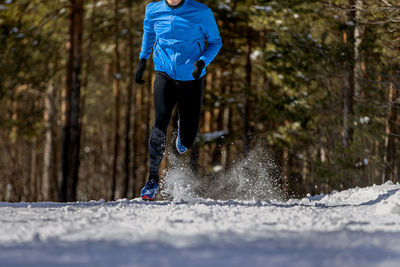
(247, 106)
(219, 122)
(358, 32)
(347, 114)
(129, 89)
(391, 132)
(14, 118)
(348, 88)
(33, 174)
(227, 117)
(48, 178)
(134, 148)
(136, 140)
(117, 76)
(71, 137)
(89, 62)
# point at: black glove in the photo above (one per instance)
(140, 71)
(198, 69)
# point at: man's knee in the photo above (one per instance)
(157, 137)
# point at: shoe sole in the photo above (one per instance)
(147, 198)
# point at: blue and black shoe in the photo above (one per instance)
(179, 147)
(150, 190)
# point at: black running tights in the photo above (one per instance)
(188, 96)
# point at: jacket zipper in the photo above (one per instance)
(173, 36)
(201, 51)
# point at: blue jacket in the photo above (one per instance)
(178, 36)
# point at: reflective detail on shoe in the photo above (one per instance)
(149, 190)
(147, 198)
(179, 147)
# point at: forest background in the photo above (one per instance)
(314, 84)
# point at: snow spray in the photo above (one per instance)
(255, 177)
(179, 182)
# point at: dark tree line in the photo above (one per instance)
(314, 82)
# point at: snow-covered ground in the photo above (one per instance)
(356, 227)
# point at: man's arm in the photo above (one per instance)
(149, 36)
(210, 30)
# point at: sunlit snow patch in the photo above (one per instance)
(391, 205)
(357, 196)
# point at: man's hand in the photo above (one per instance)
(140, 71)
(198, 69)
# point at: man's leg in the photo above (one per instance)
(190, 100)
(164, 102)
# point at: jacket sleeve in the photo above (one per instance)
(149, 36)
(210, 30)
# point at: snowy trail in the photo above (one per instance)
(356, 227)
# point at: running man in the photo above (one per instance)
(177, 31)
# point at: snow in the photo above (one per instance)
(224, 6)
(256, 54)
(364, 120)
(265, 8)
(209, 137)
(355, 227)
